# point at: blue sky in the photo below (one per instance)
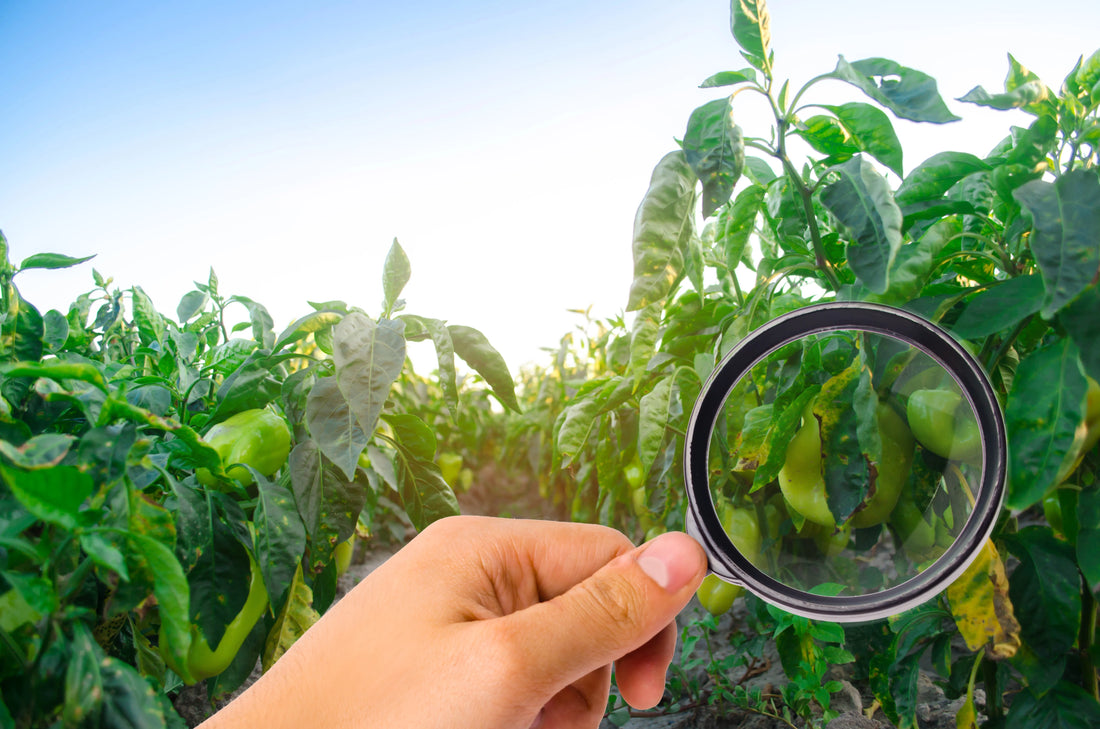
(505, 144)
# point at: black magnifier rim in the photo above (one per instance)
(703, 523)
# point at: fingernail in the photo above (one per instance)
(669, 560)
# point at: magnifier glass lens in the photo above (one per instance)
(845, 463)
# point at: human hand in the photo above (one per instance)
(488, 623)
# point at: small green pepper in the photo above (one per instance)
(942, 422)
(258, 438)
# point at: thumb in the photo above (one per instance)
(611, 613)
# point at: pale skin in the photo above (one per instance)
(489, 623)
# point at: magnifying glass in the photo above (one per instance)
(845, 462)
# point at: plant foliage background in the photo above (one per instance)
(125, 537)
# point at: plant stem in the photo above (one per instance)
(993, 708)
(1007, 343)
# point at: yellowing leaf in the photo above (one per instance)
(981, 607)
(294, 619)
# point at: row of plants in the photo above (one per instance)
(146, 458)
(1002, 250)
(180, 491)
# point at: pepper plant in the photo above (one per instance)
(1001, 248)
(173, 488)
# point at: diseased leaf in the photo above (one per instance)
(334, 427)
(862, 202)
(445, 357)
(736, 224)
(981, 607)
(293, 620)
(369, 357)
(665, 219)
(280, 538)
(907, 92)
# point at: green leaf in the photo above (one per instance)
(425, 495)
(54, 495)
(55, 330)
(1065, 706)
(334, 427)
(51, 261)
(750, 24)
(643, 342)
(1044, 407)
(914, 262)
(729, 78)
(1045, 590)
(715, 149)
(862, 202)
(872, 132)
(577, 425)
(21, 334)
(1088, 535)
(907, 92)
(306, 325)
(280, 538)
(293, 620)
(369, 357)
(395, 275)
(653, 420)
(1022, 96)
(1083, 325)
(1065, 217)
(664, 219)
(475, 350)
(171, 590)
(219, 580)
(445, 357)
(827, 135)
(250, 386)
(191, 304)
(932, 178)
(736, 224)
(262, 324)
(999, 308)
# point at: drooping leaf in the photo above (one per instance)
(328, 502)
(715, 149)
(191, 304)
(83, 680)
(1065, 217)
(369, 356)
(914, 262)
(909, 93)
(475, 350)
(1022, 96)
(664, 220)
(445, 357)
(301, 328)
(1044, 408)
(395, 275)
(171, 589)
(862, 202)
(577, 426)
(981, 607)
(293, 620)
(219, 579)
